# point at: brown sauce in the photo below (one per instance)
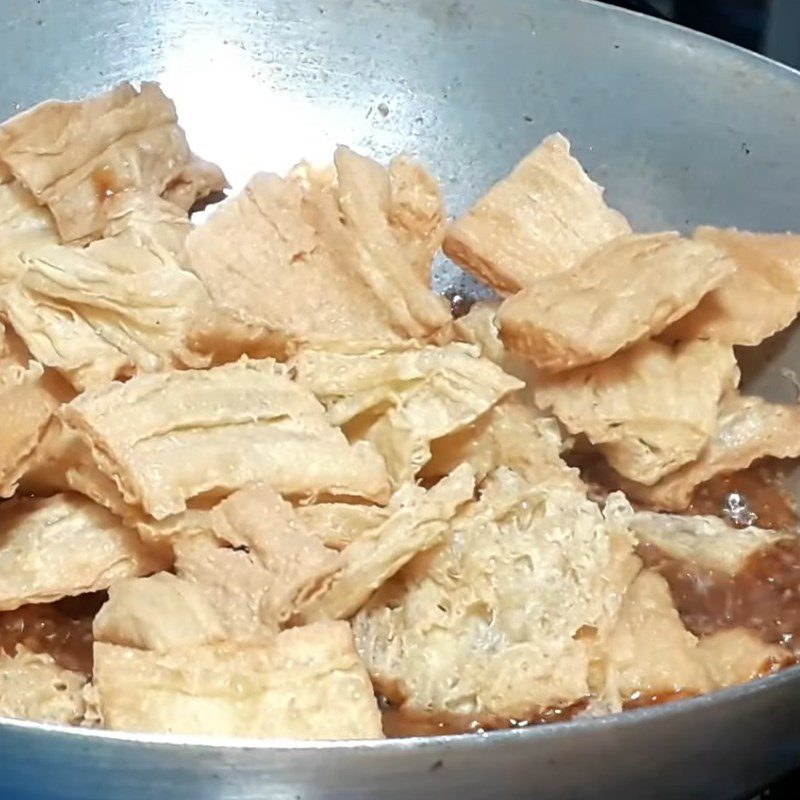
(756, 490)
(399, 723)
(105, 183)
(62, 630)
(764, 596)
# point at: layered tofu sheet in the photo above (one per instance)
(299, 486)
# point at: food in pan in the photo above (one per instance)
(259, 481)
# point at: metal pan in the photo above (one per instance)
(683, 130)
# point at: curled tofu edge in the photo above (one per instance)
(308, 683)
(401, 400)
(543, 218)
(419, 520)
(629, 289)
(298, 567)
(234, 582)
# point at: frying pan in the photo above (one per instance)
(683, 130)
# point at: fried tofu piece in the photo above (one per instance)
(629, 289)
(739, 655)
(650, 409)
(418, 521)
(544, 218)
(707, 542)
(762, 298)
(298, 565)
(74, 156)
(649, 654)
(748, 428)
(401, 399)
(512, 434)
(66, 545)
(169, 437)
(34, 687)
(28, 409)
(159, 613)
(498, 620)
(233, 581)
(148, 221)
(339, 524)
(325, 258)
(415, 213)
(24, 224)
(106, 311)
(306, 684)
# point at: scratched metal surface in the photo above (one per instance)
(683, 130)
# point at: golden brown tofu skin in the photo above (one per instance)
(306, 684)
(650, 409)
(760, 299)
(166, 438)
(161, 612)
(66, 545)
(403, 397)
(33, 687)
(628, 290)
(418, 521)
(649, 654)
(499, 620)
(543, 219)
(73, 157)
(334, 256)
(747, 429)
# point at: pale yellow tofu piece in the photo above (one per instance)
(760, 299)
(415, 213)
(148, 221)
(107, 311)
(739, 655)
(339, 255)
(234, 582)
(418, 521)
(24, 224)
(747, 429)
(512, 434)
(650, 409)
(169, 437)
(400, 399)
(160, 613)
(66, 545)
(28, 409)
(33, 687)
(74, 156)
(629, 289)
(543, 218)
(649, 654)
(339, 524)
(307, 684)
(500, 619)
(705, 541)
(299, 568)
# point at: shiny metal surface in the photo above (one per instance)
(683, 130)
